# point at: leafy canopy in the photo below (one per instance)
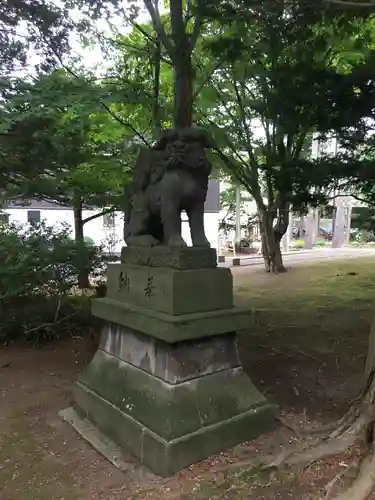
(59, 143)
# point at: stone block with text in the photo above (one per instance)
(166, 382)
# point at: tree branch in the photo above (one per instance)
(243, 176)
(220, 94)
(296, 151)
(158, 26)
(245, 125)
(346, 3)
(187, 12)
(102, 103)
(121, 43)
(265, 125)
(207, 78)
(232, 147)
(279, 141)
(238, 173)
(197, 24)
(125, 123)
(368, 202)
(138, 27)
(100, 214)
(270, 191)
(55, 322)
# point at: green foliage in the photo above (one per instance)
(58, 143)
(39, 267)
(363, 220)
(89, 241)
(42, 260)
(41, 26)
(287, 71)
(322, 243)
(141, 63)
(228, 205)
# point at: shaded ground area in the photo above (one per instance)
(311, 328)
(305, 349)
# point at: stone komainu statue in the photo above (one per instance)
(169, 178)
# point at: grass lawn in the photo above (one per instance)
(305, 349)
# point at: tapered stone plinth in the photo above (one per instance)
(166, 382)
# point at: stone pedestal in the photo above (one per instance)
(166, 382)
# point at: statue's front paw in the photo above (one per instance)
(176, 241)
(201, 241)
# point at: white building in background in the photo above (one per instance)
(107, 230)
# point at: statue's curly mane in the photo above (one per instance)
(149, 169)
(153, 163)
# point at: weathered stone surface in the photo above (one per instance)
(168, 178)
(167, 327)
(170, 410)
(162, 456)
(169, 290)
(128, 432)
(173, 363)
(117, 455)
(174, 257)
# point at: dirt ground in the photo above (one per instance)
(304, 349)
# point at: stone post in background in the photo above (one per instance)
(311, 228)
(342, 219)
(287, 238)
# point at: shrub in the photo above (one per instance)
(322, 242)
(39, 266)
(41, 260)
(89, 241)
(367, 236)
(38, 322)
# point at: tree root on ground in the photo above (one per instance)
(329, 487)
(364, 484)
(357, 424)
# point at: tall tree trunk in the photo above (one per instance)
(83, 275)
(183, 88)
(156, 60)
(179, 45)
(271, 237)
(182, 68)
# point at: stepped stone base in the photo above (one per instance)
(170, 404)
(167, 327)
